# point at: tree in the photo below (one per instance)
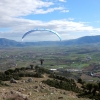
(99, 87)
(89, 87)
(95, 87)
(17, 70)
(80, 81)
(9, 71)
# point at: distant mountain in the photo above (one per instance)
(83, 40)
(6, 42)
(89, 39)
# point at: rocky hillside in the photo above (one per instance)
(31, 86)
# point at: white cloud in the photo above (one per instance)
(70, 19)
(21, 7)
(18, 8)
(62, 0)
(41, 11)
(65, 10)
(12, 10)
(66, 28)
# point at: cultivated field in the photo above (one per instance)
(70, 56)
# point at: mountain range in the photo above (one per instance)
(82, 40)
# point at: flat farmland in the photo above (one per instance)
(64, 56)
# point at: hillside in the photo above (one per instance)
(82, 40)
(31, 87)
(89, 39)
(8, 43)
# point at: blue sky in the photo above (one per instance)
(70, 18)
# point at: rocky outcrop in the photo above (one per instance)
(14, 95)
(13, 80)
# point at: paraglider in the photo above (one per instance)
(41, 30)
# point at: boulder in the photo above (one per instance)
(30, 80)
(13, 80)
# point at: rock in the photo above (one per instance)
(36, 81)
(23, 81)
(29, 93)
(35, 87)
(19, 95)
(21, 89)
(30, 80)
(36, 90)
(13, 80)
(60, 97)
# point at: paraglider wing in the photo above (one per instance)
(27, 33)
(56, 34)
(41, 30)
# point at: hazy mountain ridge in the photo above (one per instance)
(83, 40)
(6, 42)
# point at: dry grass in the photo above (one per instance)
(36, 90)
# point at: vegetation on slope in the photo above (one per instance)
(88, 90)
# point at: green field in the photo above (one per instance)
(54, 57)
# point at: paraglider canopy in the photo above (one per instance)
(41, 30)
